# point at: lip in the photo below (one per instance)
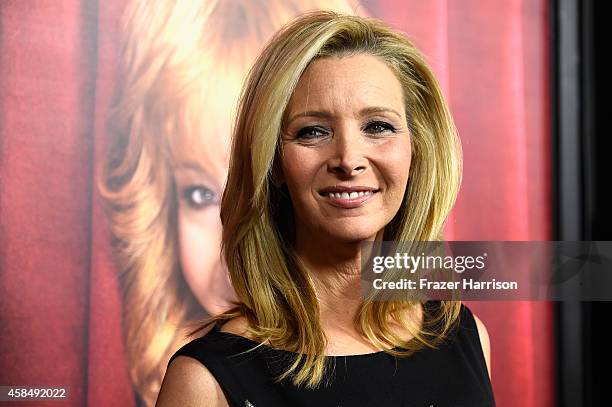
(347, 203)
(346, 188)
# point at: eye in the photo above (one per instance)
(377, 127)
(311, 132)
(199, 197)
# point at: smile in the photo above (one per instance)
(348, 200)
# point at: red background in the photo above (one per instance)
(59, 302)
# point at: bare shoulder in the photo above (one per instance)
(189, 383)
(485, 342)
(237, 326)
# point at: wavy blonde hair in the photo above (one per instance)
(275, 289)
(174, 55)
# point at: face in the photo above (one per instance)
(346, 149)
(199, 178)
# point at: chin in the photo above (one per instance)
(353, 234)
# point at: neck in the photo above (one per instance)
(335, 268)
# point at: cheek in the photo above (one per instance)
(199, 247)
(300, 166)
(395, 166)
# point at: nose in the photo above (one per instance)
(348, 156)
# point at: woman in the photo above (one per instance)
(342, 136)
(183, 63)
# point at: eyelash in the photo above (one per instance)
(386, 127)
(210, 197)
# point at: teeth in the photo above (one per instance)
(346, 195)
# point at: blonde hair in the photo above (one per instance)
(276, 292)
(175, 55)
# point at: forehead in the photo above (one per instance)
(336, 83)
(205, 144)
(203, 121)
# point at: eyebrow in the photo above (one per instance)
(190, 165)
(363, 112)
(195, 167)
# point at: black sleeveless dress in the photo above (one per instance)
(454, 375)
